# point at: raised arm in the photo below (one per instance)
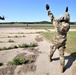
(51, 16)
(67, 15)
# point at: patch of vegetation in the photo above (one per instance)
(15, 36)
(10, 40)
(71, 42)
(33, 44)
(4, 48)
(12, 47)
(19, 61)
(24, 45)
(8, 48)
(9, 36)
(23, 35)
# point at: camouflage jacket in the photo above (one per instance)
(62, 26)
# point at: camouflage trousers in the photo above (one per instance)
(61, 49)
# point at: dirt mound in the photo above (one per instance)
(28, 66)
(9, 70)
(39, 39)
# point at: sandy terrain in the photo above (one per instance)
(41, 66)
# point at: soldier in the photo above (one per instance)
(62, 25)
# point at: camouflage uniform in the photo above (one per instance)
(62, 26)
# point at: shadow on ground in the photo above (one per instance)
(71, 58)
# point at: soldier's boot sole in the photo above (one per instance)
(61, 69)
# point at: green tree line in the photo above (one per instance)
(42, 22)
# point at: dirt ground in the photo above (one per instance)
(39, 54)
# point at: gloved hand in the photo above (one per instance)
(66, 9)
(47, 7)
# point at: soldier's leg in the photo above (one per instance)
(52, 50)
(62, 60)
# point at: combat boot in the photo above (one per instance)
(61, 68)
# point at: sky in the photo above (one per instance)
(34, 10)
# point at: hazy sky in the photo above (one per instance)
(34, 10)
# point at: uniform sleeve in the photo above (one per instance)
(53, 19)
(51, 16)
